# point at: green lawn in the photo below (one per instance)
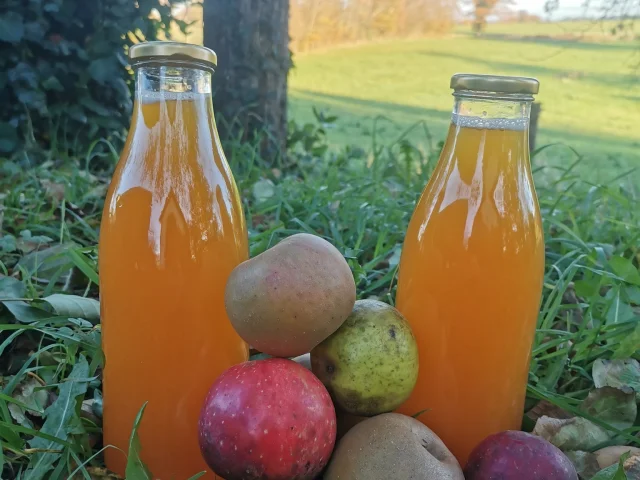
(590, 92)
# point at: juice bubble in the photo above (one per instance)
(165, 96)
(480, 123)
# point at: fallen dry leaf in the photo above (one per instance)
(586, 463)
(632, 467)
(575, 433)
(616, 407)
(545, 408)
(2, 196)
(610, 455)
(619, 373)
(30, 394)
(97, 473)
(54, 190)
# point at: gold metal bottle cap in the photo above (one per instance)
(172, 50)
(494, 83)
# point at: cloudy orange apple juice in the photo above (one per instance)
(172, 231)
(471, 271)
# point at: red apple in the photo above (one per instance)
(513, 455)
(267, 419)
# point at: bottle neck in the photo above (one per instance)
(167, 81)
(505, 112)
(173, 104)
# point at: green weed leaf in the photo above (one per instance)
(8, 243)
(81, 261)
(417, 414)
(11, 27)
(136, 469)
(74, 306)
(197, 475)
(619, 310)
(59, 417)
(633, 293)
(625, 269)
(46, 263)
(629, 345)
(11, 288)
(25, 313)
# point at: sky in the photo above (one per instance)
(567, 8)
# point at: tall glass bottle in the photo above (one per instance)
(471, 271)
(172, 230)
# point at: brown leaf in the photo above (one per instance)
(97, 473)
(611, 455)
(86, 411)
(263, 190)
(575, 433)
(257, 220)
(570, 298)
(632, 467)
(586, 463)
(99, 191)
(544, 408)
(28, 393)
(54, 190)
(46, 263)
(88, 176)
(618, 373)
(2, 196)
(615, 406)
(28, 243)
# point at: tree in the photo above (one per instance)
(62, 78)
(316, 23)
(251, 38)
(482, 9)
(624, 12)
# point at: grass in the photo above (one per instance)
(358, 197)
(361, 200)
(589, 91)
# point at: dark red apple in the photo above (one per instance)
(513, 455)
(267, 419)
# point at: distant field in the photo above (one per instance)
(590, 86)
(590, 92)
(579, 28)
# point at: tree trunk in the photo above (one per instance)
(251, 38)
(479, 23)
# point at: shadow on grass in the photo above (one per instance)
(617, 80)
(400, 112)
(634, 99)
(577, 41)
(360, 120)
(396, 108)
(356, 116)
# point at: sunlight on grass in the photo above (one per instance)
(589, 92)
